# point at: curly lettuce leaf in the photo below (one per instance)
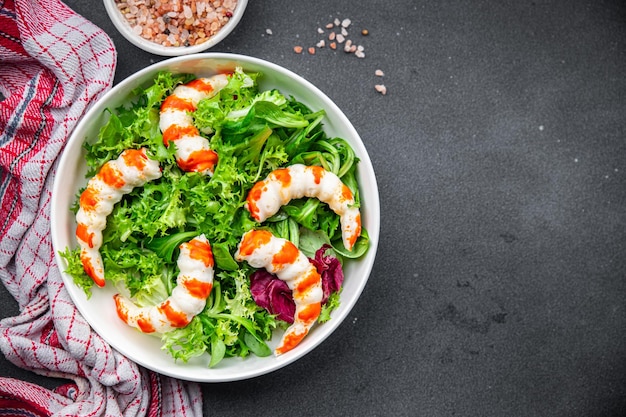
(76, 271)
(146, 276)
(135, 124)
(331, 304)
(187, 342)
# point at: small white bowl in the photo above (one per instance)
(99, 310)
(126, 30)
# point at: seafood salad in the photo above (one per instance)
(220, 213)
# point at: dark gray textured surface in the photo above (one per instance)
(500, 283)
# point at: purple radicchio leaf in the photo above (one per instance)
(272, 294)
(331, 271)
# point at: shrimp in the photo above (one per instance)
(192, 150)
(261, 249)
(297, 181)
(193, 286)
(117, 177)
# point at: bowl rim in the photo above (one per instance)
(122, 25)
(372, 201)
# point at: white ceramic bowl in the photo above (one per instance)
(125, 29)
(99, 310)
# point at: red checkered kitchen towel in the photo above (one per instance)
(53, 65)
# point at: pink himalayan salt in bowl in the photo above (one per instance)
(174, 28)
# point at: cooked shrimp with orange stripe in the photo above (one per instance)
(203, 261)
(261, 249)
(296, 181)
(193, 152)
(194, 284)
(116, 178)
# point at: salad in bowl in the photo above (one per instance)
(215, 217)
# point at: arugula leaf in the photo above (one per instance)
(257, 346)
(223, 259)
(358, 250)
(218, 350)
(165, 246)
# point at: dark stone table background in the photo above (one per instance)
(499, 287)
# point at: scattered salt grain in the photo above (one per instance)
(335, 37)
(269, 31)
(381, 89)
(379, 73)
